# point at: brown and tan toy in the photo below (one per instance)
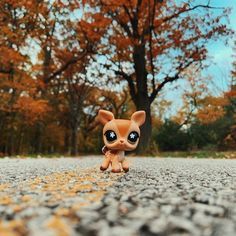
(119, 135)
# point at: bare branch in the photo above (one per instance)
(190, 9)
(65, 67)
(128, 78)
(169, 79)
(189, 116)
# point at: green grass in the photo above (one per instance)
(199, 154)
(184, 154)
(38, 155)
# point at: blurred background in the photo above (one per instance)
(61, 61)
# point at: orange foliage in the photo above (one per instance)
(33, 110)
(46, 48)
(231, 94)
(212, 108)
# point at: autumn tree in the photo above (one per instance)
(76, 90)
(115, 101)
(217, 115)
(48, 48)
(90, 128)
(150, 43)
(42, 30)
(64, 52)
(51, 29)
(231, 107)
(198, 101)
(231, 94)
(17, 87)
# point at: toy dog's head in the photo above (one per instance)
(119, 134)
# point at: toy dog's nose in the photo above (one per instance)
(122, 140)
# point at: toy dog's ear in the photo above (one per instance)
(139, 117)
(105, 116)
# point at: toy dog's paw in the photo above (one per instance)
(102, 168)
(126, 169)
(116, 170)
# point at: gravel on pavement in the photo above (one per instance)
(158, 196)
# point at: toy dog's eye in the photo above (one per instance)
(133, 137)
(110, 135)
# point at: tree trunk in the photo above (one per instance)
(67, 142)
(19, 142)
(74, 137)
(37, 141)
(10, 149)
(146, 128)
(141, 100)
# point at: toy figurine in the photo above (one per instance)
(119, 135)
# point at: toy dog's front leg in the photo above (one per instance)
(113, 159)
(106, 162)
(125, 165)
(115, 164)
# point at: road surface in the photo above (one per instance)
(71, 196)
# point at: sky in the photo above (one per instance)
(222, 54)
(219, 57)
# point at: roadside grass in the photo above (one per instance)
(170, 154)
(199, 154)
(55, 155)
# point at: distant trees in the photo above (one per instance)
(204, 122)
(170, 137)
(198, 136)
(231, 107)
(50, 90)
(20, 105)
(44, 31)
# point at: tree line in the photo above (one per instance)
(61, 61)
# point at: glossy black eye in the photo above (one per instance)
(110, 135)
(133, 137)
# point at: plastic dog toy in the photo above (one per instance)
(119, 135)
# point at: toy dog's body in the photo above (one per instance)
(119, 136)
(115, 158)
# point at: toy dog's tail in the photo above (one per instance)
(104, 150)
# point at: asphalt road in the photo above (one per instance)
(156, 197)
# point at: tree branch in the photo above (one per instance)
(65, 67)
(169, 79)
(5, 71)
(190, 9)
(130, 83)
(189, 116)
(123, 25)
(133, 21)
